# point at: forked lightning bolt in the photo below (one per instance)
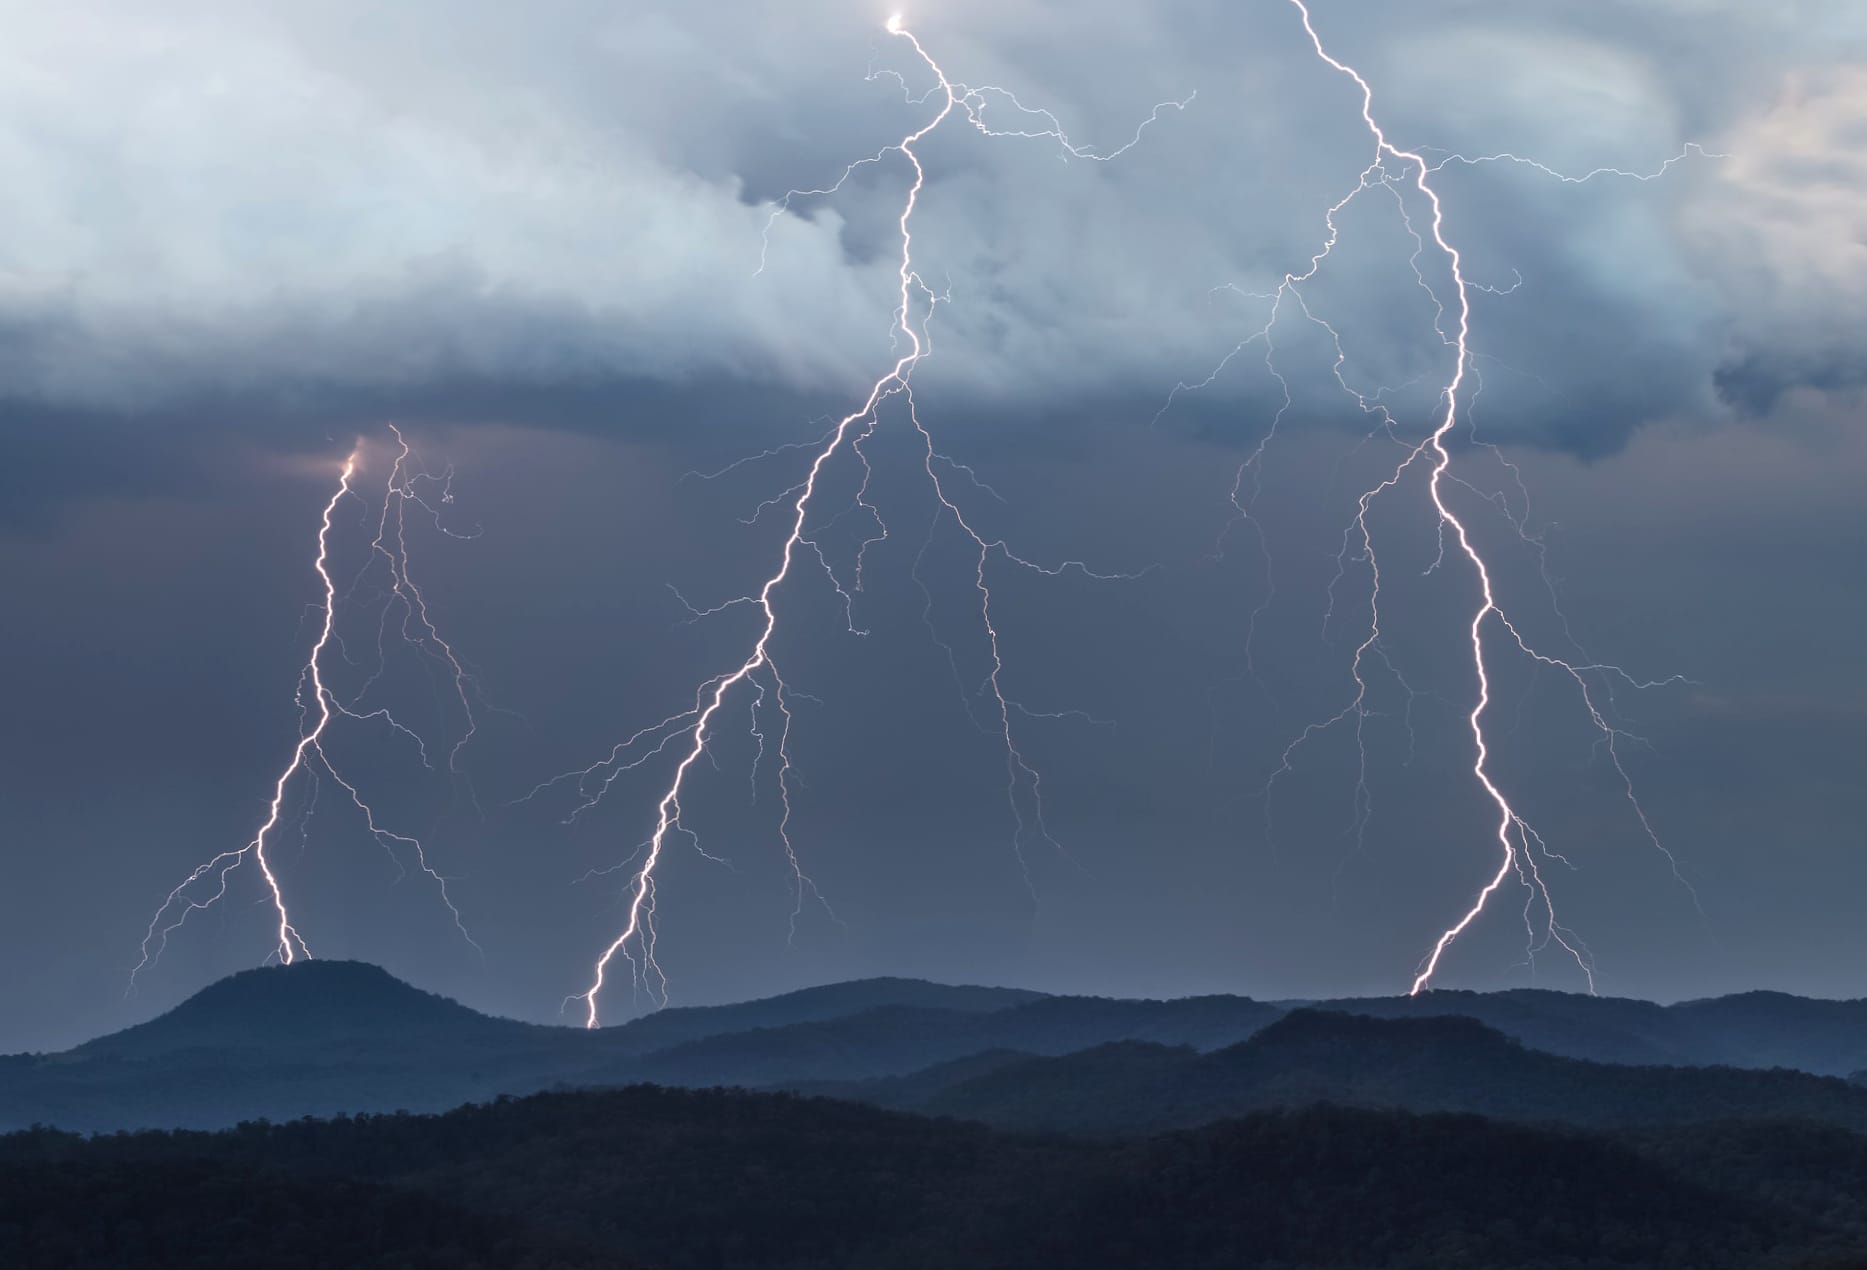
(690, 730)
(319, 708)
(1521, 849)
(416, 627)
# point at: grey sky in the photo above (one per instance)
(240, 235)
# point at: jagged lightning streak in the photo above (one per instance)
(1517, 840)
(309, 758)
(636, 941)
(417, 627)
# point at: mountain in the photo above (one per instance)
(1775, 1029)
(308, 1006)
(315, 1003)
(322, 1038)
(702, 1180)
(680, 1024)
(897, 1040)
(1449, 1064)
(1748, 1029)
(1603, 1029)
(1757, 1030)
(329, 1037)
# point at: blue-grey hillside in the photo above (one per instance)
(324, 1038)
(1447, 1064)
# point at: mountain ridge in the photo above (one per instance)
(324, 1038)
(1447, 1064)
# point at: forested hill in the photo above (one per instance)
(701, 1180)
(1310, 1056)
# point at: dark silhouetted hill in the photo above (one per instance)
(308, 1007)
(1816, 1170)
(898, 1040)
(1433, 1064)
(1603, 1029)
(1775, 1029)
(704, 1180)
(1747, 1029)
(681, 1024)
(328, 1037)
(322, 1038)
(313, 1003)
(204, 1215)
(907, 1033)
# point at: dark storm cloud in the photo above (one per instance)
(184, 446)
(387, 207)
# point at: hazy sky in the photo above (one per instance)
(241, 236)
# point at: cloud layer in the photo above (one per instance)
(229, 201)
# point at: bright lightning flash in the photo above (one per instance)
(1519, 845)
(691, 730)
(320, 706)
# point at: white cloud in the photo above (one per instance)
(214, 195)
(1784, 231)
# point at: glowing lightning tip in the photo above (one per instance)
(894, 24)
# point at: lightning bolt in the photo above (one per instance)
(1519, 846)
(319, 706)
(690, 730)
(417, 628)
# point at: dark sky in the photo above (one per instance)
(240, 237)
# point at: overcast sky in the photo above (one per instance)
(241, 236)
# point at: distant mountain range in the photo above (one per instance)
(1311, 1056)
(320, 1038)
(967, 1126)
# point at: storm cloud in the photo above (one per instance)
(225, 207)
